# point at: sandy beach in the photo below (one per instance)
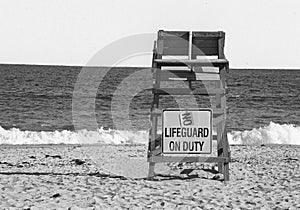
(78, 177)
(86, 87)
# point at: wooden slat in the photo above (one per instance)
(151, 173)
(204, 51)
(221, 47)
(172, 75)
(208, 34)
(153, 129)
(167, 75)
(158, 159)
(226, 154)
(220, 147)
(175, 51)
(156, 112)
(176, 43)
(186, 91)
(206, 69)
(194, 62)
(216, 112)
(171, 34)
(175, 68)
(205, 46)
(207, 76)
(203, 43)
(223, 71)
(218, 119)
(173, 42)
(160, 47)
(156, 151)
(175, 46)
(220, 132)
(202, 34)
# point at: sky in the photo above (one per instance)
(259, 33)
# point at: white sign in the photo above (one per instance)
(187, 131)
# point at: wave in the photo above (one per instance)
(272, 134)
(15, 136)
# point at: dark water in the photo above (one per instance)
(40, 97)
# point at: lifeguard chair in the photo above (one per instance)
(202, 56)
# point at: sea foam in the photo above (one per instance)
(101, 136)
(272, 134)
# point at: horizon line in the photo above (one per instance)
(78, 65)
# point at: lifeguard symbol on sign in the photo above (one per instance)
(187, 131)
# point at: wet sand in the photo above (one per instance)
(91, 177)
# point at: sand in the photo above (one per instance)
(88, 177)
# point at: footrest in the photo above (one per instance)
(175, 75)
(194, 62)
(168, 159)
(186, 91)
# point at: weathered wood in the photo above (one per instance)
(207, 77)
(167, 34)
(220, 103)
(193, 45)
(226, 154)
(206, 69)
(156, 151)
(187, 91)
(190, 45)
(173, 43)
(205, 43)
(204, 51)
(220, 148)
(223, 72)
(181, 159)
(195, 62)
(154, 55)
(175, 51)
(174, 75)
(153, 129)
(151, 170)
(209, 34)
(216, 112)
(160, 47)
(221, 47)
(218, 119)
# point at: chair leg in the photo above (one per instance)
(226, 154)
(220, 150)
(226, 171)
(151, 171)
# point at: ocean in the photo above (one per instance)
(37, 105)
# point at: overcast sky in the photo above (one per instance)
(259, 33)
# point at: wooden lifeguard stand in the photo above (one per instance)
(202, 49)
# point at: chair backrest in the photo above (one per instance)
(177, 43)
(173, 43)
(208, 44)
